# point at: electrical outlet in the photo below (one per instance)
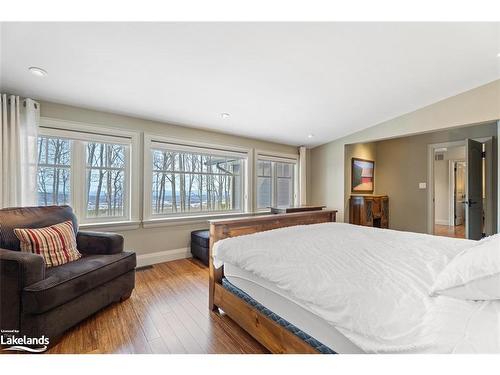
(422, 185)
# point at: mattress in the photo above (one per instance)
(289, 309)
(361, 289)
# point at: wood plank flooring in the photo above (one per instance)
(167, 313)
(448, 231)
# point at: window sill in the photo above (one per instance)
(111, 226)
(188, 220)
(119, 226)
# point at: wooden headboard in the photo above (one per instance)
(225, 228)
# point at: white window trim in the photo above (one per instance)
(93, 132)
(282, 158)
(150, 139)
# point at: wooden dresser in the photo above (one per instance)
(369, 210)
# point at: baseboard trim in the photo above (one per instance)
(163, 256)
(442, 222)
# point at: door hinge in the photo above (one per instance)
(483, 154)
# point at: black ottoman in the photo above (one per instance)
(200, 243)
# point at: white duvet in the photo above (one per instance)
(371, 284)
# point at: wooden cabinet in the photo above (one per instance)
(369, 210)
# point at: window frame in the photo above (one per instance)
(153, 141)
(54, 166)
(279, 158)
(81, 133)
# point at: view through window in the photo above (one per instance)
(191, 182)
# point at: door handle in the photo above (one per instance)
(469, 202)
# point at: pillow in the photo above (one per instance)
(474, 274)
(56, 244)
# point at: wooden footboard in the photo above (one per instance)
(269, 333)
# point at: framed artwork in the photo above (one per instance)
(362, 173)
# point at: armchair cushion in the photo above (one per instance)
(99, 243)
(71, 280)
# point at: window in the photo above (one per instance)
(91, 172)
(189, 180)
(264, 184)
(54, 171)
(105, 180)
(275, 183)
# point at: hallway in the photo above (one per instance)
(449, 231)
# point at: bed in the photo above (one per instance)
(301, 283)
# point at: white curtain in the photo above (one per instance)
(303, 175)
(19, 121)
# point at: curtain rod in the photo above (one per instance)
(35, 103)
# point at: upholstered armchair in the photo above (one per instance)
(35, 300)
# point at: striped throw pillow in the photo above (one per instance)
(56, 244)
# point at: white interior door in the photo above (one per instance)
(474, 191)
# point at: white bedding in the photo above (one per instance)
(372, 285)
(289, 309)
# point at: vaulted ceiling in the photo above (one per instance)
(277, 81)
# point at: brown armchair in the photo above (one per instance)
(37, 301)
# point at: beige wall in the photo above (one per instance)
(327, 161)
(402, 165)
(171, 237)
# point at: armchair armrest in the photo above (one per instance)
(99, 243)
(24, 268)
(17, 270)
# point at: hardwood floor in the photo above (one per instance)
(167, 313)
(447, 231)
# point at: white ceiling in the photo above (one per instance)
(279, 81)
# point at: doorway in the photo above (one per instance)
(449, 191)
(461, 186)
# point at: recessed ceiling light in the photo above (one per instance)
(498, 55)
(39, 72)
(310, 136)
(225, 115)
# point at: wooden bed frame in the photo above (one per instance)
(269, 333)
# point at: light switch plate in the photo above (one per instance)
(422, 185)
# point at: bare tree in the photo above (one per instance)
(42, 184)
(100, 181)
(195, 176)
(91, 148)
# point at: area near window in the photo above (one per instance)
(276, 182)
(192, 180)
(89, 171)
(54, 171)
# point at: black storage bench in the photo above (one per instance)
(200, 243)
